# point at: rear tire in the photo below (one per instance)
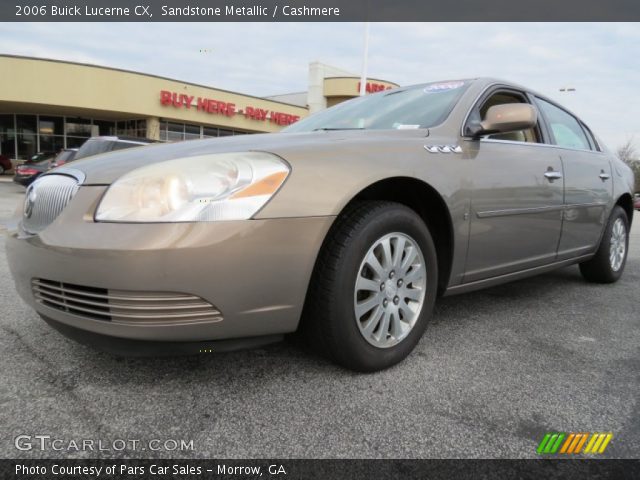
(400, 290)
(608, 263)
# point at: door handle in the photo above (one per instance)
(552, 175)
(604, 176)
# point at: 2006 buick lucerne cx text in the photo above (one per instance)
(347, 225)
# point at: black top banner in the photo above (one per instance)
(319, 10)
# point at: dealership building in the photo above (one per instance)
(47, 105)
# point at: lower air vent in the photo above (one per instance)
(124, 307)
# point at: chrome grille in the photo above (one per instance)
(45, 199)
(124, 307)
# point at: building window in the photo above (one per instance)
(7, 136)
(176, 132)
(173, 132)
(78, 130)
(78, 127)
(191, 132)
(27, 140)
(22, 136)
(209, 132)
(50, 133)
(132, 128)
(50, 125)
(105, 127)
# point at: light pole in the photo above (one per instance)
(365, 59)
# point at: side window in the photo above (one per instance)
(592, 140)
(565, 128)
(530, 135)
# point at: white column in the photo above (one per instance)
(315, 95)
(153, 128)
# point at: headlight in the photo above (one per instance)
(207, 188)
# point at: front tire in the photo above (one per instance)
(608, 263)
(373, 288)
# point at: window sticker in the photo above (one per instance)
(442, 87)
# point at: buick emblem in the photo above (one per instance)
(29, 202)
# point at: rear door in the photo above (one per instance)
(587, 179)
(517, 198)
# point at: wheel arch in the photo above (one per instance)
(626, 202)
(425, 200)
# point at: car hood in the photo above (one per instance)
(105, 168)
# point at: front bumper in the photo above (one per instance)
(145, 348)
(255, 272)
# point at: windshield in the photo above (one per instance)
(421, 106)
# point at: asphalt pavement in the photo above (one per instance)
(494, 372)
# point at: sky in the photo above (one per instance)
(599, 60)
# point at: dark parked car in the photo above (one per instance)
(34, 167)
(44, 161)
(5, 164)
(636, 201)
(40, 156)
(65, 156)
(96, 145)
(28, 172)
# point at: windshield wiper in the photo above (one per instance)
(332, 129)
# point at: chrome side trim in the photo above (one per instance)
(585, 205)
(525, 211)
(518, 211)
(532, 144)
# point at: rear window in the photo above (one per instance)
(65, 156)
(94, 147)
(565, 128)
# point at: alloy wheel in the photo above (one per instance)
(618, 245)
(390, 290)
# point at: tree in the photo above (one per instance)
(628, 153)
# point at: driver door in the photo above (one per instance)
(516, 198)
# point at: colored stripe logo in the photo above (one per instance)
(574, 443)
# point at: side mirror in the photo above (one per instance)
(509, 117)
